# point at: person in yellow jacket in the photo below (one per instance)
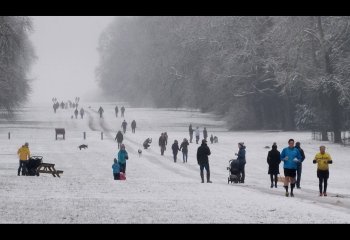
(24, 155)
(323, 159)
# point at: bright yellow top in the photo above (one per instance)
(23, 153)
(321, 160)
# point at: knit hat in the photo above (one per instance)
(241, 144)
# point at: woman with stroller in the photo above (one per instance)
(242, 161)
(274, 160)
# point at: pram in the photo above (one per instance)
(33, 164)
(234, 175)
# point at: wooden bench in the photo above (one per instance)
(60, 131)
(49, 168)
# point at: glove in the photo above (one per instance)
(236, 154)
(314, 161)
(296, 160)
(330, 161)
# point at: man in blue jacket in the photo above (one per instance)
(290, 157)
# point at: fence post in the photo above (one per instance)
(9, 135)
(84, 135)
(101, 135)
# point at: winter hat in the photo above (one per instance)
(297, 144)
(274, 145)
(241, 144)
(204, 141)
(122, 146)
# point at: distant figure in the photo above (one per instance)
(100, 111)
(82, 113)
(116, 169)
(162, 144)
(116, 111)
(202, 158)
(124, 124)
(122, 109)
(54, 107)
(119, 137)
(274, 160)
(133, 126)
(197, 135)
(211, 139)
(24, 155)
(62, 105)
(122, 157)
(73, 105)
(205, 134)
(166, 138)
(216, 140)
(147, 143)
(175, 148)
(190, 130)
(184, 149)
(76, 112)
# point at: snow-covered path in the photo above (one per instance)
(157, 189)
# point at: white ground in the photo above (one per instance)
(157, 190)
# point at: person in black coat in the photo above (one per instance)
(133, 126)
(119, 137)
(184, 149)
(299, 164)
(274, 160)
(176, 149)
(202, 158)
(242, 161)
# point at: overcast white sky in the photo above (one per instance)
(66, 47)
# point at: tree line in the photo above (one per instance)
(16, 57)
(264, 72)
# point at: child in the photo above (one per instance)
(116, 169)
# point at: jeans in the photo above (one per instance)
(23, 166)
(299, 168)
(116, 176)
(175, 156)
(184, 156)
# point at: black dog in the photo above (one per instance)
(83, 146)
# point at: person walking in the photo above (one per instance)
(119, 137)
(122, 109)
(197, 135)
(190, 130)
(205, 134)
(116, 169)
(100, 111)
(82, 113)
(290, 157)
(162, 144)
(323, 159)
(116, 111)
(203, 152)
(184, 149)
(24, 155)
(175, 148)
(124, 124)
(122, 157)
(133, 126)
(299, 164)
(274, 160)
(76, 113)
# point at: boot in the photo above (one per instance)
(292, 186)
(202, 177)
(208, 178)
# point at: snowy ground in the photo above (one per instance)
(157, 190)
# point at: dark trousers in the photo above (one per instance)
(122, 167)
(321, 181)
(116, 114)
(175, 156)
(197, 139)
(242, 173)
(299, 168)
(23, 167)
(119, 143)
(162, 149)
(191, 137)
(184, 156)
(201, 167)
(116, 176)
(124, 130)
(273, 180)
(122, 114)
(133, 130)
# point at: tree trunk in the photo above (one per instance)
(324, 135)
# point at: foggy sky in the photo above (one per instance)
(66, 47)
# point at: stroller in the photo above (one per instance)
(234, 175)
(33, 164)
